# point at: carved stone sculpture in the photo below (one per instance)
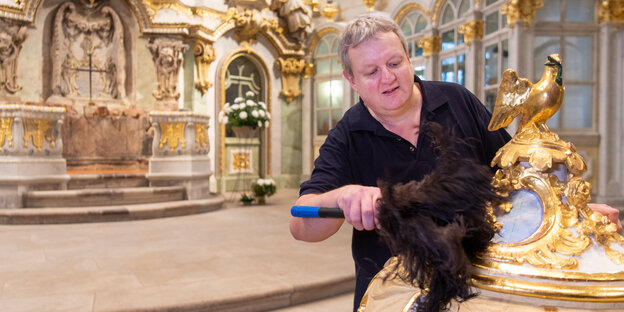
(168, 57)
(88, 60)
(12, 35)
(297, 17)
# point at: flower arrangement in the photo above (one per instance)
(245, 112)
(263, 188)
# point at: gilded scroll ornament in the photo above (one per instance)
(172, 134)
(472, 30)
(530, 161)
(611, 11)
(430, 45)
(201, 135)
(39, 130)
(204, 55)
(291, 69)
(521, 10)
(6, 131)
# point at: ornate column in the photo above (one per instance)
(473, 34)
(12, 35)
(168, 55)
(521, 11)
(292, 69)
(431, 47)
(180, 152)
(30, 151)
(610, 112)
(204, 55)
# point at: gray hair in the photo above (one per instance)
(363, 28)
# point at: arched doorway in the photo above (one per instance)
(242, 160)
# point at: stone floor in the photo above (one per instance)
(234, 259)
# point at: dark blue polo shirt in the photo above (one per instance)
(359, 150)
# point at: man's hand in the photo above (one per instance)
(359, 204)
(609, 212)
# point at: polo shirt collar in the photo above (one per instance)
(433, 98)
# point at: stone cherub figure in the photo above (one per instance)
(297, 16)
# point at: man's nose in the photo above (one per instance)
(387, 75)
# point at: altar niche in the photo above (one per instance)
(88, 56)
(243, 160)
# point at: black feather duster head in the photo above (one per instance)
(438, 225)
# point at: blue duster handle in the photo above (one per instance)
(316, 212)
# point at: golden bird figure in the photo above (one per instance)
(536, 102)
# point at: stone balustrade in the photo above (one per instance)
(180, 152)
(31, 151)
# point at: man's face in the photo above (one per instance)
(382, 74)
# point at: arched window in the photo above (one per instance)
(328, 85)
(453, 52)
(412, 26)
(495, 50)
(242, 75)
(567, 27)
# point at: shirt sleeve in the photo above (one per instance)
(331, 168)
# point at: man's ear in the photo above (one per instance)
(350, 79)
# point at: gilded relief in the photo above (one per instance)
(172, 134)
(38, 130)
(6, 132)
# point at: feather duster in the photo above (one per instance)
(438, 225)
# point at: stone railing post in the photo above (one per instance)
(180, 152)
(31, 151)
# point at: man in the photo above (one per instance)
(379, 138)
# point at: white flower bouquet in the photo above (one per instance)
(263, 187)
(245, 112)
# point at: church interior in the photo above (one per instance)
(128, 96)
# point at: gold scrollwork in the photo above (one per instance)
(521, 11)
(430, 45)
(153, 6)
(291, 69)
(6, 131)
(472, 30)
(172, 134)
(39, 130)
(241, 161)
(563, 203)
(204, 55)
(201, 135)
(248, 24)
(611, 11)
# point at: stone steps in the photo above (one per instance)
(106, 180)
(64, 215)
(103, 196)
